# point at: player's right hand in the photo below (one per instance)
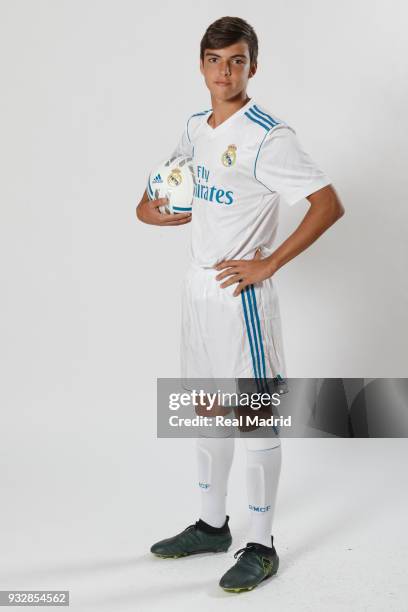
(148, 212)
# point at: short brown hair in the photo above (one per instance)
(227, 31)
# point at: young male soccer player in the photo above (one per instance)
(246, 160)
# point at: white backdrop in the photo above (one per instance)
(93, 94)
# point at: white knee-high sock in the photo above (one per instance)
(214, 459)
(263, 470)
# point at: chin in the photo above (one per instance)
(223, 94)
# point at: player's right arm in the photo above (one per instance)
(148, 212)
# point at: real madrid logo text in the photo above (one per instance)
(229, 156)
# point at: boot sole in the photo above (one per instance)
(188, 554)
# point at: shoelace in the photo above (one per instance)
(244, 550)
(193, 526)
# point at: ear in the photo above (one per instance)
(201, 66)
(252, 70)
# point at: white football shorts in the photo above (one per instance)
(229, 337)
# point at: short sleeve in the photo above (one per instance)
(183, 147)
(284, 167)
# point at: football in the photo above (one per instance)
(175, 180)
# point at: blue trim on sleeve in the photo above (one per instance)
(264, 125)
(274, 121)
(255, 114)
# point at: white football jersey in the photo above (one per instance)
(242, 169)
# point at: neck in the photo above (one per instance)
(222, 109)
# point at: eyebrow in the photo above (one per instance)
(216, 55)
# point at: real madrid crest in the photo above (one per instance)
(175, 177)
(229, 156)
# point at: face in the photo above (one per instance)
(226, 71)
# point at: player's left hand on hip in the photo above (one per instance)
(243, 271)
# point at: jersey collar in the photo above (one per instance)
(220, 128)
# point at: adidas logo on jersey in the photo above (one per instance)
(157, 179)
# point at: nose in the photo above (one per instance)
(225, 68)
